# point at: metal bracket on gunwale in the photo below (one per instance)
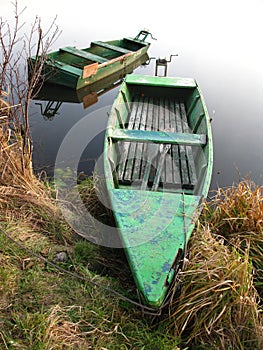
(162, 62)
(144, 33)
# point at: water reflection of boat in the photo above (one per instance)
(158, 165)
(56, 95)
(77, 68)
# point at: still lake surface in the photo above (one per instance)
(223, 54)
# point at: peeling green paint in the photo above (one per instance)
(152, 234)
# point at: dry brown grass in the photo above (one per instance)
(237, 209)
(61, 332)
(93, 193)
(23, 198)
(218, 305)
(4, 105)
(236, 214)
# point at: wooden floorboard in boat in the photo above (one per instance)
(139, 161)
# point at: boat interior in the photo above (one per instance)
(99, 51)
(158, 140)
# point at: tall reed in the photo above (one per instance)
(217, 307)
(22, 195)
(236, 213)
(218, 303)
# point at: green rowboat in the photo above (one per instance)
(78, 68)
(89, 94)
(158, 165)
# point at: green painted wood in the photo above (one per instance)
(179, 138)
(67, 60)
(156, 225)
(83, 54)
(111, 47)
(160, 81)
(65, 68)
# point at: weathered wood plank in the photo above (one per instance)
(168, 167)
(131, 162)
(83, 54)
(174, 149)
(188, 149)
(178, 138)
(181, 148)
(110, 47)
(160, 171)
(126, 145)
(137, 171)
(147, 153)
(149, 150)
(141, 156)
(152, 151)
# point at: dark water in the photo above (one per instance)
(223, 54)
(218, 43)
(237, 124)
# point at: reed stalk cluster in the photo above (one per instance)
(219, 305)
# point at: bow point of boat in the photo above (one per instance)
(153, 226)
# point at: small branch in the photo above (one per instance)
(14, 69)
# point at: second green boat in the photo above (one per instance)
(78, 68)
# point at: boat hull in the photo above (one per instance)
(89, 94)
(158, 165)
(77, 69)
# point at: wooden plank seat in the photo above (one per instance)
(64, 67)
(111, 47)
(142, 149)
(158, 137)
(83, 54)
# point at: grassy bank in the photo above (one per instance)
(218, 304)
(57, 290)
(43, 305)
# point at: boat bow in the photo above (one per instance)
(156, 225)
